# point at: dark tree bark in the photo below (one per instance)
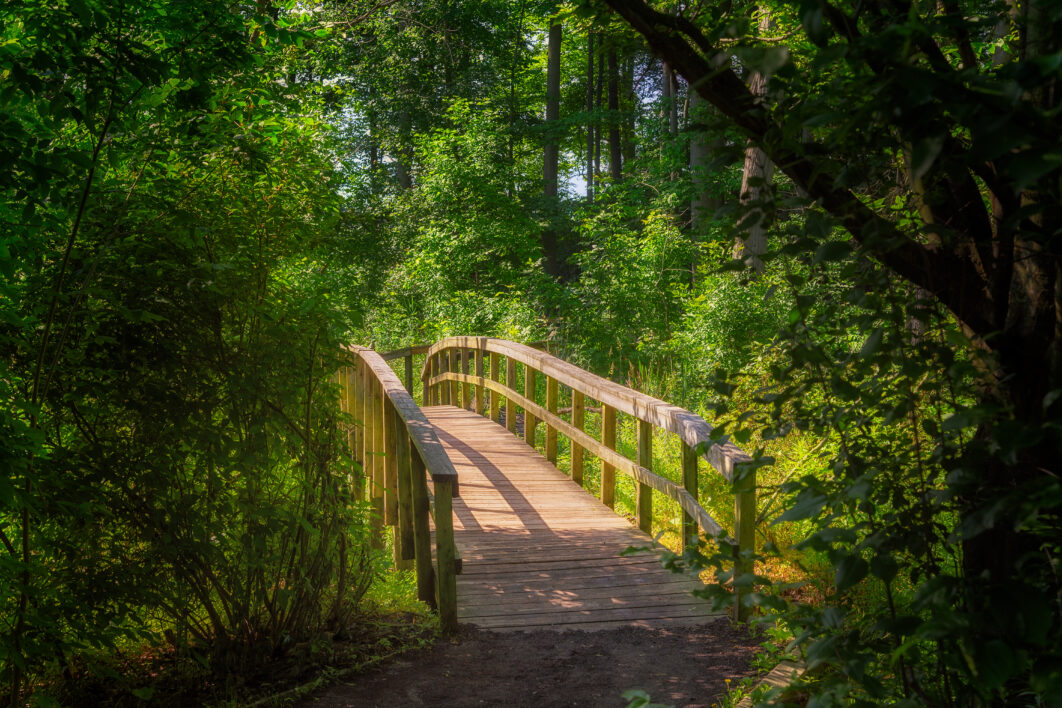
(590, 121)
(615, 152)
(551, 150)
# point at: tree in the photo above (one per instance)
(903, 128)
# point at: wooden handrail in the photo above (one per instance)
(442, 380)
(397, 448)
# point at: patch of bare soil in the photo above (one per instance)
(680, 666)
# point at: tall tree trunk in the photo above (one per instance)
(551, 150)
(590, 119)
(629, 101)
(615, 152)
(751, 241)
(518, 40)
(600, 87)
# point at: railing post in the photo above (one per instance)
(578, 419)
(405, 547)
(422, 528)
(361, 484)
(495, 400)
(745, 532)
(426, 398)
(390, 472)
(445, 553)
(689, 481)
(444, 386)
(608, 472)
(510, 407)
(645, 492)
(551, 432)
(479, 389)
(376, 462)
(529, 394)
(409, 371)
(466, 388)
(455, 388)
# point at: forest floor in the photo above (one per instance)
(679, 666)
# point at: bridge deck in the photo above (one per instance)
(539, 552)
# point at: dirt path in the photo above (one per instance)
(680, 666)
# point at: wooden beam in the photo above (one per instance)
(578, 420)
(608, 471)
(645, 492)
(551, 432)
(495, 399)
(529, 417)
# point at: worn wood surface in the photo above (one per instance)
(538, 552)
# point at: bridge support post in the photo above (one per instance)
(360, 485)
(466, 389)
(374, 464)
(390, 467)
(689, 482)
(551, 432)
(495, 399)
(645, 492)
(479, 389)
(455, 388)
(409, 371)
(445, 553)
(529, 418)
(608, 472)
(510, 407)
(578, 420)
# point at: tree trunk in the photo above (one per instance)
(630, 101)
(551, 150)
(751, 241)
(615, 152)
(590, 120)
(404, 159)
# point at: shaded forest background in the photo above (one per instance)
(832, 228)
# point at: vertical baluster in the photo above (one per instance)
(374, 466)
(455, 387)
(529, 393)
(578, 419)
(480, 403)
(645, 492)
(510, 407)
(390, 467)
(409, 371)
(495, 399)
(551, 432)
(405, 546)
(608, 472)
(689, 481)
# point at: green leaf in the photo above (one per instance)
(872, 343)
(884, 568)
(924, 154)
(850, 571)
(831, 251)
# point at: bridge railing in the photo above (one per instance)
(397, 448)
(448, 378)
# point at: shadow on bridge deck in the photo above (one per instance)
(539, 552)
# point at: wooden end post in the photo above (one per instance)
(529, 393)
(364, 433)
(689, 481)
(495, 399)
(510, 407)
(445, 553)
(645, 492)
(745, 531)
(608, 472)
(466, 388)
(422, 529)
(551, 432)
(578, 419)
(405, 547)
(444, 386)
(480, 402)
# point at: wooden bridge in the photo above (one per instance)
(499, 536)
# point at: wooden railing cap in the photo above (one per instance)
(421, 432)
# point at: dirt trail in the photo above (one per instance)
(680, 666)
